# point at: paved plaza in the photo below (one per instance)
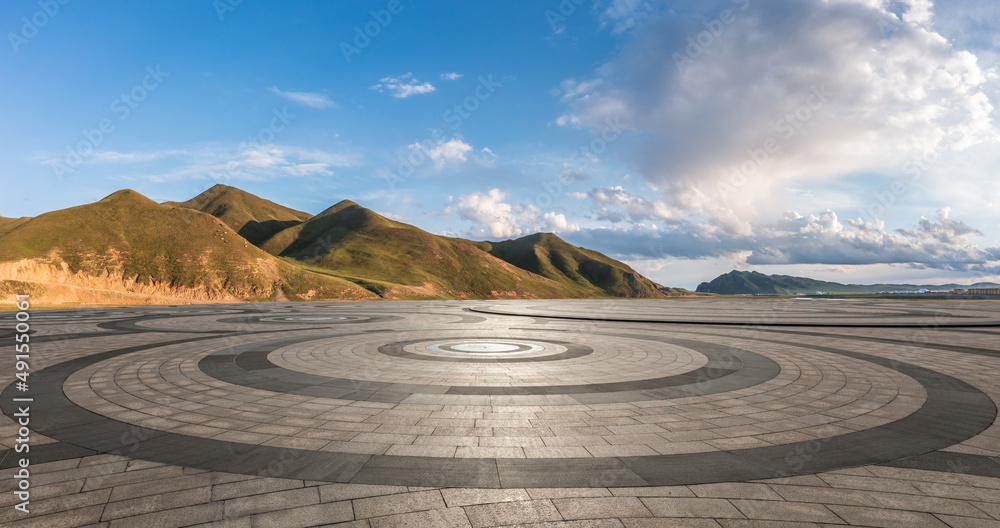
(599, 413)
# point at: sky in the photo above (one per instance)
(846, 140)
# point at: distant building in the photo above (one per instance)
(978, 291)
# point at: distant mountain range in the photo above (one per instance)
(227, 244)
(754, 283)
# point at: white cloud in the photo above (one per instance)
(943, 243)
(314, 100)
(622, 15)
(495, 217)
(615, 204)
(451, 76)
(891, 89)
(444, 152)
(557, 222)
(486, 157)
(394, 216)
(228, 163)
(403, 86)
(110, 156)
(451, 150)
(498, 219)
(307, 169)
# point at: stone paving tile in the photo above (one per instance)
(601, 507)
(256, 486)
(340, 492)
(966, 522)
(561, 493)
(156, 503)
(184, 516)
(745, 490)
(55, 505)
(885, 518)
(785, 511)
(402, 503)
(422, 450)
(815, 395)
(446, 518)
(303, 516)
(920, 503)
(755, 523)
(226, 523)
(686, 507)
(277, 500)
(455, 497)
(160, 486)
(489, 452)
(511, 513)
(58, 489)
(76, 517)
(825, 495)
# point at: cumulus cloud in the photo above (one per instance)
(784, 93)
(558, 222)
(404, 86)
(497, 219)
(445, 152)
(941, 243)
(451, 76)
(615, 204)
(314, 100)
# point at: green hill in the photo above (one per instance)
(755, 283)
(254, 218)
(358, 244)
(8, 224)
(227, 244)
(129, 241)
(552, 257)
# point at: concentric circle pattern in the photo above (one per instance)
(520, 395)
(484, 347)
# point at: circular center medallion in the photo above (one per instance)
(486, 347)
(314, 318)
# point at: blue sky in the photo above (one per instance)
(850, 140)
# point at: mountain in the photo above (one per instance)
(7, 224)
(754, 283)
(252, 217)
(127, 247)
(392, 258)
(552, 257)
(228, 245)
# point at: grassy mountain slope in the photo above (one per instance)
(127, 241)
(552, 257)
(752, 282)
(254, 218)
(383, 254)
(8, 224)
(128, 249)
